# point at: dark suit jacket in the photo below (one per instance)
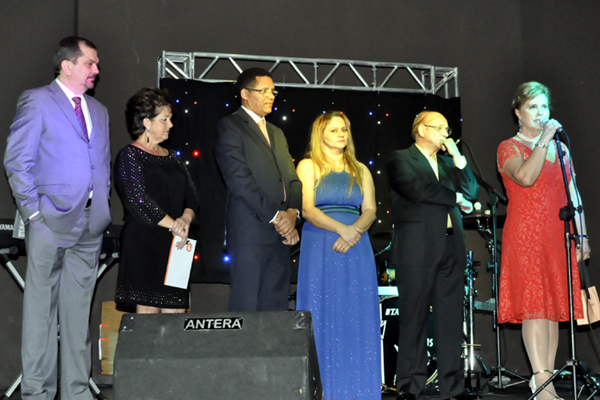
(253, 172)
(421, 204)
(50, 164)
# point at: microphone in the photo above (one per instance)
(558, 130)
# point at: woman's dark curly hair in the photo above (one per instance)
(147, 103)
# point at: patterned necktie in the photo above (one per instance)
(80, 117)
(261, 124)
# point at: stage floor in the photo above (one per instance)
(518, 392)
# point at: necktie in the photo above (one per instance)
(80, 117)
(262, 125)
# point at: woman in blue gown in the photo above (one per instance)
(337, 279)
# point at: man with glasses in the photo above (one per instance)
(264, 196)
(428, 192)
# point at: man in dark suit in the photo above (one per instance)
(58, 165)
(428, 191)
(264, 196)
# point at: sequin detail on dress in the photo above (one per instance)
(150, 188)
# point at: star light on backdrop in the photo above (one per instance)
(381, 122)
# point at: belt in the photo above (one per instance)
(89, 203)
(449, 231)
(335, 209)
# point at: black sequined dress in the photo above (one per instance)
(150, 188)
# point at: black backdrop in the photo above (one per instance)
(381, 122)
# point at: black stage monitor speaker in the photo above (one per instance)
(251, 356)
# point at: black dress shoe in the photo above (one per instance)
(406, 396)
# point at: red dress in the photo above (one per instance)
(533, 277)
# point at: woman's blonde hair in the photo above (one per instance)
(316, 151)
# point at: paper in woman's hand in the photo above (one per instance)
(180, 263)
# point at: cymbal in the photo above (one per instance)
(470, 220)
(477, 214)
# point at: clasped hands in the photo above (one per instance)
(285, 225)
(181, 228)
(349, 236)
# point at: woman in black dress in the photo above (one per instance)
(159, 200)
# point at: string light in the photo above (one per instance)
(194, 160)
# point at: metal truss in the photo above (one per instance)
(315, 73)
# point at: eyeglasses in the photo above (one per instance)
(264, 92)
(441, 128)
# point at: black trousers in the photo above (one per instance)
(260, 277)
(441, 285)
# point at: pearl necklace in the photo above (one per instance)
(529, 139)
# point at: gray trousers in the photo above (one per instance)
(59, 286)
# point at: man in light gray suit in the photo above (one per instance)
(58, 165)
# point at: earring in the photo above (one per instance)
(520, 123)
(147, 135)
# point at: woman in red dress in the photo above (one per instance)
(533, 280)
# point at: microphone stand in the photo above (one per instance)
(497, 371)
(566, 214)
(492, 243)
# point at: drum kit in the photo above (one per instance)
(483, 222)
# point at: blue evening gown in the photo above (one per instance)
(340, 290)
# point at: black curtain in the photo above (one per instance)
(381, 122)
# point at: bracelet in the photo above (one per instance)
(544, 145)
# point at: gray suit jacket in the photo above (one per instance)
(51, 165)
